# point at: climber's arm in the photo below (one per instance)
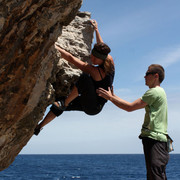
(98, 36)
(85, 67)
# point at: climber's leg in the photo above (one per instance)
(74, 94)
(87, 101)
(49, 117)
(55, 110)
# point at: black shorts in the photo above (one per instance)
(88, 100)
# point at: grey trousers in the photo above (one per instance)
(156, 157)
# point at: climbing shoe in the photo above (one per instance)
(37, 131)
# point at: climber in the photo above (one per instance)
(83, 96)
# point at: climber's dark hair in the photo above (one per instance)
(103, 50)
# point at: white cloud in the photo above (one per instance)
(123, 90)
(166, 56)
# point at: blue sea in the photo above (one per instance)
(90, 167)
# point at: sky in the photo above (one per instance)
(139, 33)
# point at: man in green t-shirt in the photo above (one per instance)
(154, 128)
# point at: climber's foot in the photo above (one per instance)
(37, 130)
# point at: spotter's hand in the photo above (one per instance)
(105, 94)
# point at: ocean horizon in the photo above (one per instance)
(84, 166)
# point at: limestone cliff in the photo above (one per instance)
(31, 73)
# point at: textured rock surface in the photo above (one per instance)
(77, 39)
(28, 30)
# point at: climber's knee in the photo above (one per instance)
(56, 110)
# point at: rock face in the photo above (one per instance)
(31, 73)
(76, 38)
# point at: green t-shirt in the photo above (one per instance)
(155, 120)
